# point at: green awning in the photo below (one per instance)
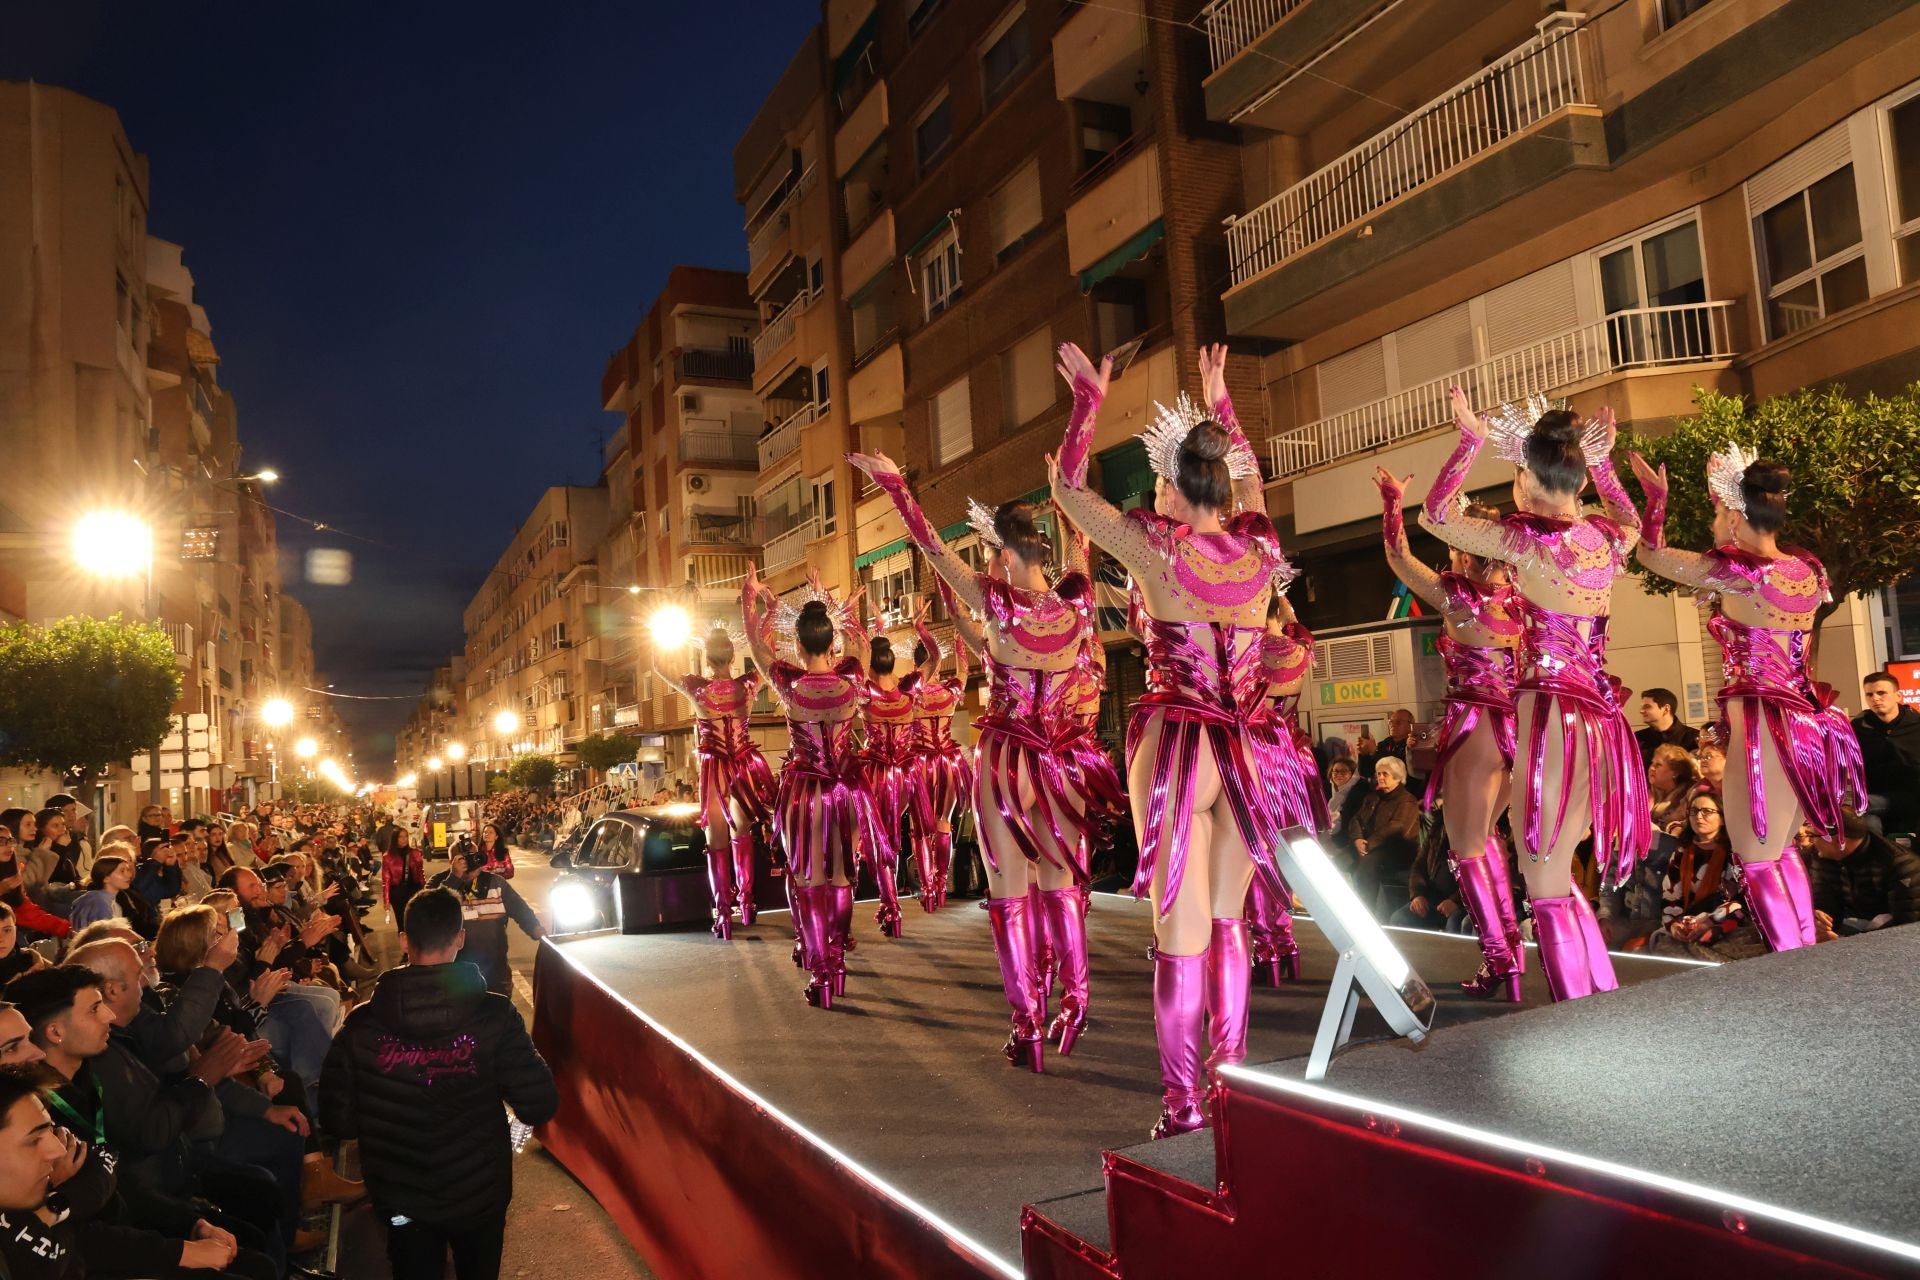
(866, 558)
(850, 56)
(933, 233)
(958, 529)
(1125, 472)
(1132, 249)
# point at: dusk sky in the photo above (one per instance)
(418, 234)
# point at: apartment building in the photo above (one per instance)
(434, 724)
(684, 480)
(1612, 203)
(521, 655)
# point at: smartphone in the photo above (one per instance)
(236, 919)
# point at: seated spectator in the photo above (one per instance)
(47, 870)
(1889, 736)
(19, 828)
(108, 884)
(438, 1160)
(239, 846)
(1385, 832)
(1670, 777)
(219, 857)
(1433, 894)
(1659, 713)
(194, 880)
(156, 823)
(1710, 761)
(15, 959)
(270, 941)
(73, 845)
(1861, 883)
(157, 878)
(1701, 914)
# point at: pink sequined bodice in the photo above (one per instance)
(889, 718)
(721, 708)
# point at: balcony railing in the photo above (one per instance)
(181, 634)
(715, 366)
(717, 446)
(776, 223)
(1647, 338)
(716, 527)
(785, 438)
(1232, 25)
(777, 332)
(1542, 76)
(790, 547)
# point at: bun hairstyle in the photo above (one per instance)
(719, 649)
(1202, 476)
(1480, 511)
(880, 656)
(1554, 455)
(1013, 525)
(814, 628)
(1764, 489)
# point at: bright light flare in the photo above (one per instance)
(433, 764)
(573, 907)
(671, 626)
(407, 780)
(267, 475)
(277, 713)
(306, 748)
(456, 751)
(506, 722)
(112, 544)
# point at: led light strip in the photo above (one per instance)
(872, 1179)
(1690, 1190)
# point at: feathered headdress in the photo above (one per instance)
(980, 517)
(785, 617)
(1169, 431)
(1725, 472)
(1509, 426)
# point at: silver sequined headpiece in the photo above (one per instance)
(1169, 431)
(1509, 426)
(1725, 472)
(980, 516)
(786, 619)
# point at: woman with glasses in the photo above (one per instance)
(1701, 908)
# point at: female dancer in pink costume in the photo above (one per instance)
(1028, 822)
(1580, 763)
(942, 769)
(1475, 770)
(1203, 816)
(736, 786)
(1283, 756)
(1791, 754)
(887, 761)
(821, 812)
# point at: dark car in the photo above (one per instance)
(643, 868)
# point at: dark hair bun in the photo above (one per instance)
(1558, 426)
(1207, 442)
(1768, 477)
(814, 609)
(1764, 488)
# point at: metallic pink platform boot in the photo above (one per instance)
(793, 910)
(1781, 900)
(942, 866)
(1046, 957)
(840, 905)
(1179, 1024)
(1496, 859)
(1229, 985)
(1270, 934)
(1599, 960)
(1013, 946)
(888, 915)
(811, 911)
(1566, 952)
(923, 870)
(720, 880)
(1480, 890)
(1067, 931)
(742, 849)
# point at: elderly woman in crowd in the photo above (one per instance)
(1670, 778)
(185, 937)
(1385, 832)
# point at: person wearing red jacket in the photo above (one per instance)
(494, 853)
(18, 827)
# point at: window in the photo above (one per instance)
(864, 187)
(1026, 380)
(1119, 311)
(1015, 211)
(816, 276)
(890, 587)
(822, 391)
(823, 505)
(939, 267)
(932, 132)
(1657, 269)
(1005, 52)
(1903, 126)
(1673, 12)
(918, 11)
(950, 423)
(1811, 253)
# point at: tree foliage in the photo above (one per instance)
(499, 784)
(533, 771)
(1855, 501)
(603, 750)
(83, 694)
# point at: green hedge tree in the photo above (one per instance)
(602, 751)
(533, 771)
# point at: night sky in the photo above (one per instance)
(418, 234)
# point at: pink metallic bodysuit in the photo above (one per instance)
(1480, 678)
(731, 766)
(820, 790)
(942, 770)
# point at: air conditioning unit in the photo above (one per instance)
(689, 403)
(697, 483)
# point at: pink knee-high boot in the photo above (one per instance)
(720, 880)
(1229, 984)
(923, 868)
(888, 915)
(812, 910)
(1067, 932)
(942, 866)
(1560, 926)
(1270, 934)
(793, 909)
(1013, 945)
(742, 849)
(1480, 890)
(1599, 960)
(1179, 1024)
(840, 903)
(1781, 900)
(1496, 859)
(1046, 955)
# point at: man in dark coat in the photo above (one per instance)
(1660, 714)
(419, 1075)
(1889, 735)
(488, 902)
(1863, 883)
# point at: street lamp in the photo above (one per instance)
(671, 626)
(433, 765)
(306, 748)
(277, 713)
(505, 722)
(456, 751)
(115, 544)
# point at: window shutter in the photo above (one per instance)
(1800, 170)
(1028, 373)
(1352, 379)
(1531, 308)
(1434, 346)
(1016, 206)
(951, 414)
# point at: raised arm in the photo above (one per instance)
(1249, 490)
(966, 632)
(757, 620)
(1420, 578)
(954, 571)
(677, 683)
(1077, 555)
(1606, 482)
(1689, 568)
(1124, 539)
(1438, 516)
(930, 669)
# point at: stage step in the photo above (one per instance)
(1084, 1215)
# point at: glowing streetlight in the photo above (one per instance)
(113, 544)
(456, 751)
(306, 748)
(266, 475)
(506, 722)
(671, 626)
(633, 589)
(433, 765)
(277, 713)
(407, 780)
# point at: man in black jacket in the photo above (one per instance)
(1889, 735)
(1865, 882)
(420, 1074)
(487, 902)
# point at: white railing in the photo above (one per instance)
(791, 546)
(1647, 338)
(785, 438)
(778, 221)
(777, 332)
(181, 634)
(1542, 76)
(717, 446)
(1232, 25)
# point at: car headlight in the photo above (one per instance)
(573, 906)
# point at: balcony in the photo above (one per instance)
(1114, 203)
(716, 527)
(699, 364)
(784, 439)
(181, 635)
(719, 448)
(773, 228)
(1097, 52)
(777, 334)
(790, 547)
(1644, 339)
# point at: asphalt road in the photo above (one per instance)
(555, 1230)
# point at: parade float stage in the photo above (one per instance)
(732, 1130)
